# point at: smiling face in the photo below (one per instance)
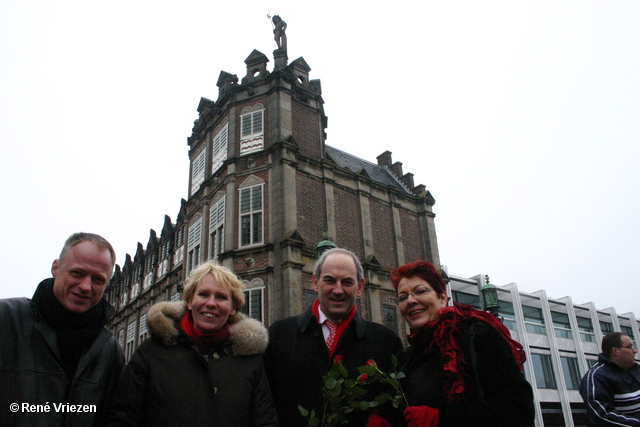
(82, 275)
(422, 302)
(337, 286)
(210, 305)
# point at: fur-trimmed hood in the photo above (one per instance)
(247, 335)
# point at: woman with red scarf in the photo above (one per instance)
(462, 368)
(203, 363)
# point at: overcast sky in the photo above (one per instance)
(521, 117)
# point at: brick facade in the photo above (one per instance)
(275, 142)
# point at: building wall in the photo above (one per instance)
(312, 215)
(305, 193)
(307, 130)
(382, 226)
(360, 205)
(561, 340)
(347, 220)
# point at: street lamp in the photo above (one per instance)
(324, 245)
(490, 298)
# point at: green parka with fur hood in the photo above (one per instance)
(169, 382)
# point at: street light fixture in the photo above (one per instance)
(490, 297)
(324, 245)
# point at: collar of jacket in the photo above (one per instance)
(247, 335)
(306, 319)
(108, 310)
(605, 360)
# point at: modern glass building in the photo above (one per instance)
(561, 340)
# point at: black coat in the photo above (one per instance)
(169, 382)
(508, 397)
(32, 372)
(297, 358)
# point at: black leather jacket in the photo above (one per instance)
(32, 376)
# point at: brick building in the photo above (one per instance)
(263, 190)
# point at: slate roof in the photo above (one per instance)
(377, 173)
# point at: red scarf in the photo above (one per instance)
(444, 333)
(201, 339)
(315, 309)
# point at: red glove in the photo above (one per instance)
(421, 416)
(375, 420)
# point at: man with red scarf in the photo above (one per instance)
(301, 348)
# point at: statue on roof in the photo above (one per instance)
(279, 27)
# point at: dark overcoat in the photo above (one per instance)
(297, 358)
(169, 382)
(496, 392)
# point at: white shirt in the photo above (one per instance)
(325, 328)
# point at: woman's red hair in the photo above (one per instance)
(422, 269)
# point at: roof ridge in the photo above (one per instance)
(397, 179)
(380, 168)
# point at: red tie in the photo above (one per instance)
(333, 327)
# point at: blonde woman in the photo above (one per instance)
(202, 364)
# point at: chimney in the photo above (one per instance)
(384, 159)
(396, 168)
(407, 179)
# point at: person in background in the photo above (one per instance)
(58, 362)
(611, 388)
(202, 364)
(302, 348)
(462, 367)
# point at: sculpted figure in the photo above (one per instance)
(279, 35)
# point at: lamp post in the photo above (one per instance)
(490, 298)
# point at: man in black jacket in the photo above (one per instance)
(302, 348)
(58, 363)
(611, 388)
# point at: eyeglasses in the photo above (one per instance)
(630, 346)
(421, 290)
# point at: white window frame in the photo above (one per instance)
(220, 143)
(131, 338)
(178, 255)
(194, 244)
(148, 277)
(248, 293)
(197, 171)
(143, 333)
(121, 338)
(251, 213)
(216, 227)
(253, 140)
(175, 297)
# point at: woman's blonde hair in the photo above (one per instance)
(223, 276)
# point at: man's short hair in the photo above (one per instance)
(80, 237)
(611, 340)
(318, 268)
